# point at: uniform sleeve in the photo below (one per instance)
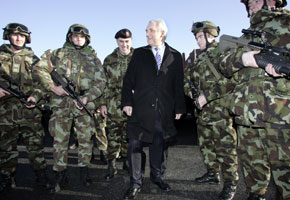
(96, 90)
(103, 99)
(38, 91)
(187, 79)
(42, 74)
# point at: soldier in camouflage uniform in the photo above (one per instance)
(16, 118)
(261, 103)
(217, 137)
(78, 62)
(115, 66)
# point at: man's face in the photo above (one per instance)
(255, 6)
(78, 39)
(17, 39)
(200, 39)
(124, 45)
(154, 35)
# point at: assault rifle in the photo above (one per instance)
(278, 57)
(195, 95)
(67, 85)
(17, 94)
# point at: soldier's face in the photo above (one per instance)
(255, 6)
(200, 39)
(78, 39)
(17, 39)
(124, 45)
(154, 35)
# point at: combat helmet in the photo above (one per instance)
(279, 4)
(205, 26)
(17, 28)
(78, 29)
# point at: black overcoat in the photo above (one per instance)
(144, 87)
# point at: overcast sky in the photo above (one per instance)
(49, 20)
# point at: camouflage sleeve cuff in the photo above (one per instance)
(37, 95)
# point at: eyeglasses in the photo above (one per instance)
(18, 27)
(78, 29)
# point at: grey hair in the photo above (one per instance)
(161, 26)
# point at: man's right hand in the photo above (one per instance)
(104, 111)
(201, 101)
(128, 110)
(3, 92)
(249, 60)
(58, 90)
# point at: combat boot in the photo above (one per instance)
(210, 178)
(5, 184)
(42, 178)
(229, 191)
(112, 170)
(254, 196)
(84, 176)
(61, 180)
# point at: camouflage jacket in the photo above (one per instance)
(16, 69)
(81, 67)
(205, 76)
(260, 100)
(115, 66)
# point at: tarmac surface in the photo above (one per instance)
(184, 165)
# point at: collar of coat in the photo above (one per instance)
(168, 58)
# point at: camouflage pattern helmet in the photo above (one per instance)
(16, 28)
(279, 4)
(78, 29)
(205, 26)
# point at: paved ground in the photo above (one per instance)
(184, 164)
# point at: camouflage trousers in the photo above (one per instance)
(263, 151)
(32, 135)
(218, 141)
(60, 126)
(117, 139)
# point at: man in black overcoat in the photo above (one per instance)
(152, 97)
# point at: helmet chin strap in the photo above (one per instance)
(16, 47)
(206, 40)
(78, 47)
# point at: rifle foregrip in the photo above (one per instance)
(280, 64)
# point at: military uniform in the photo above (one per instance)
(217, 137)
(261, 104)
(82, 68)
(115, 66)
(16, 70)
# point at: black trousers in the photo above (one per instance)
(157, 157)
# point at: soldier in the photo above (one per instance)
(78, 63)
(115, 66)
(16, 118)
(216, 135)
(261, 102)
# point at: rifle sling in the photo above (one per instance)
(213, 69)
